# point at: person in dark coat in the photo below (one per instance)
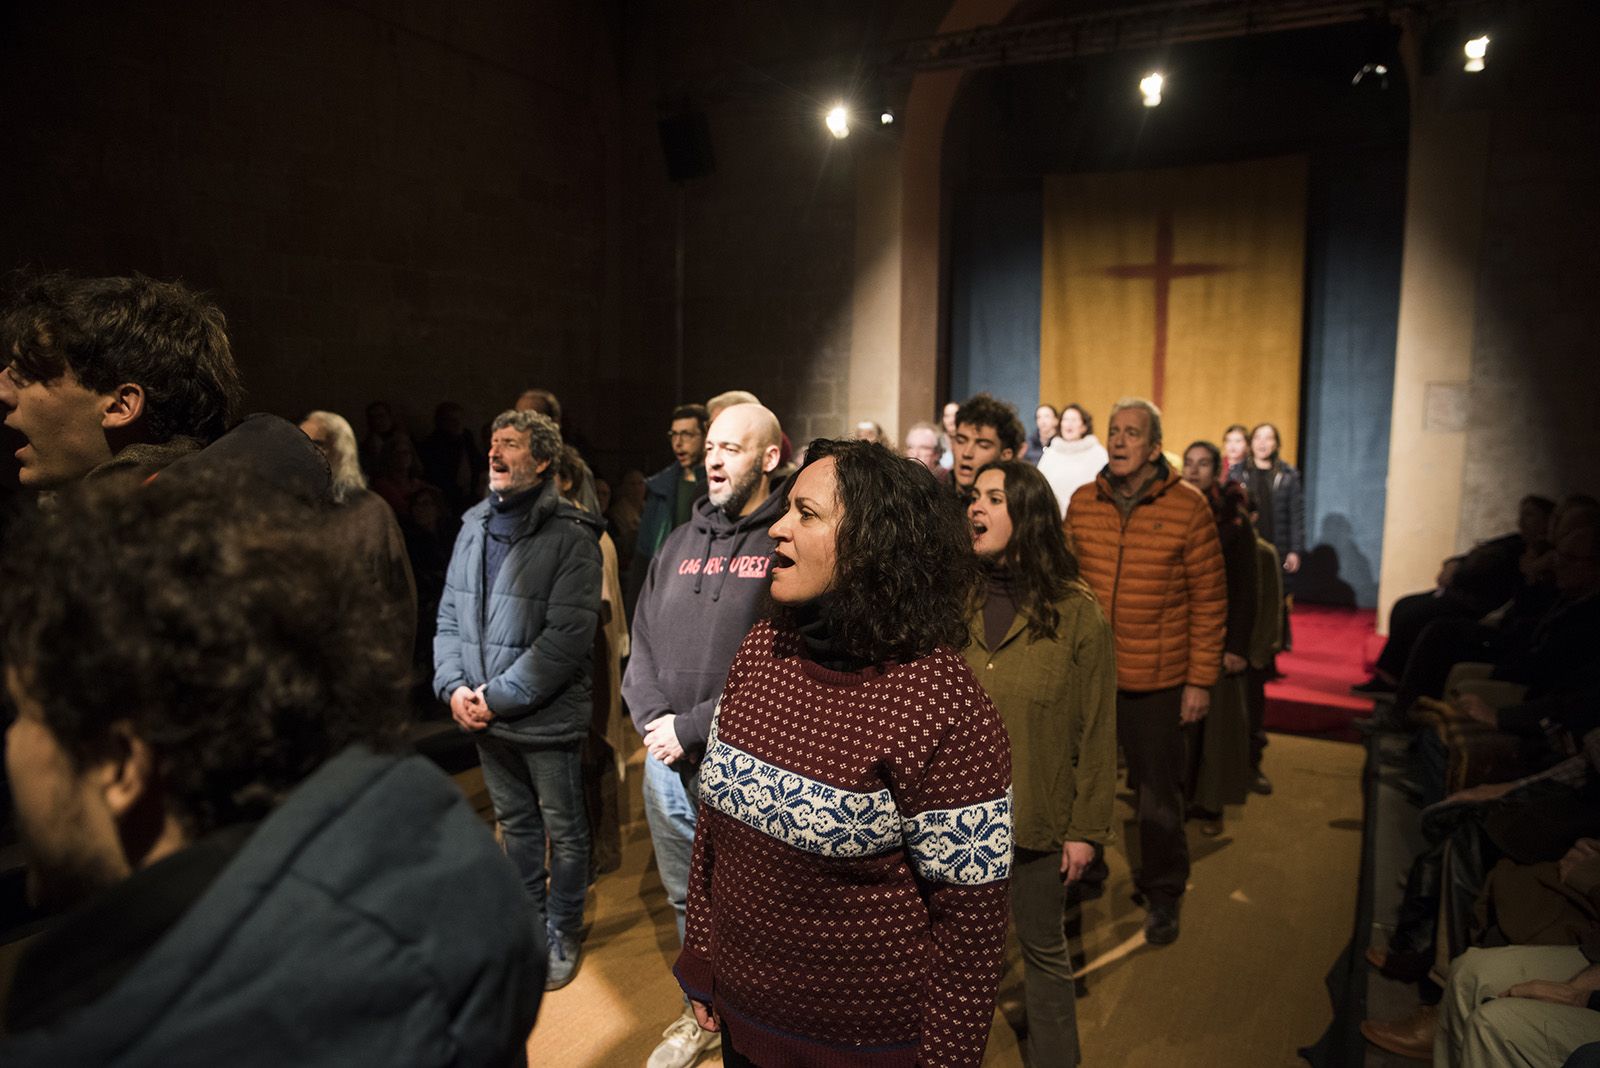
(208, 761)
(670, 493)
(1280, 501)
(512, 658)
(1220, 765)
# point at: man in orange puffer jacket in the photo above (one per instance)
(1148, 547)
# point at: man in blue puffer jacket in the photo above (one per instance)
(512, 657)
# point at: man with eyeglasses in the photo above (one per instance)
(670, 493)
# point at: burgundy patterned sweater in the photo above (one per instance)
(847, 900)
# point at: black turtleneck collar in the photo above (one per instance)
(813, 622)
(517, 503)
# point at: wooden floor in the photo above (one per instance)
(1270, 906)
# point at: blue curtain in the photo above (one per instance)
(1355, 220)
(995, 299)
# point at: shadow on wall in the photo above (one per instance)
(1335, 571)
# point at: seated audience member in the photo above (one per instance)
(1521, 1005)
(451, 459)
(1524, 824)
(1469, 586)
(1550, 657)
(207, 760)
(987, 430)
(106, 375)
(1219, 765)
(1047, 426)
(1074, 458)
(364, 531)
(1043, 651)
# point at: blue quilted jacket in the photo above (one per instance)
(529, 641)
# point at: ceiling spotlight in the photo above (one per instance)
(1375, 70)
(838, 121)
(1150, 85)
(886, 117)
(1477, 50)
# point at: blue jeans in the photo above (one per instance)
(671, 801)
(538, 790)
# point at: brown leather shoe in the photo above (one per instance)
(1410, 1036)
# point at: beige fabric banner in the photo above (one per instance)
(1185, 286)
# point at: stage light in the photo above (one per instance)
(838, 121)
(1150, 85)
(886, 117)
(1376, 70)
(1477, 50)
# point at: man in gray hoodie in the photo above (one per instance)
(705, 589)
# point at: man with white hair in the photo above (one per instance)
(1148, 547)
(364, 528)
(705, 590)
(922, 445)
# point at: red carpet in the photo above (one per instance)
(1334, 649)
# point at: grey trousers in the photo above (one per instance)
(1480, 1029)
(1038, 901)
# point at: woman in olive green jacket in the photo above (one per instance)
(1043, 651)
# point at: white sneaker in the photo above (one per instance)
(682, 1043)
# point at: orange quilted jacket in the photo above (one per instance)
(1159, 579)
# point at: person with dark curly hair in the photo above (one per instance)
(1044, 653)
(104, 374)
(206, 752)
(986, 430)
(512, 657)
(847, 892)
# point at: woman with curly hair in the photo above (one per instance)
(1045, 654)
(847, 896)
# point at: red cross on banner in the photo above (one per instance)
(1182, 285)
(1162, 271)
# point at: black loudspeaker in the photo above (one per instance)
(686, 143)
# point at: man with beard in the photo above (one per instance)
(705, 589)
(512, 657)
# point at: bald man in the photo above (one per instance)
(704, 590)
